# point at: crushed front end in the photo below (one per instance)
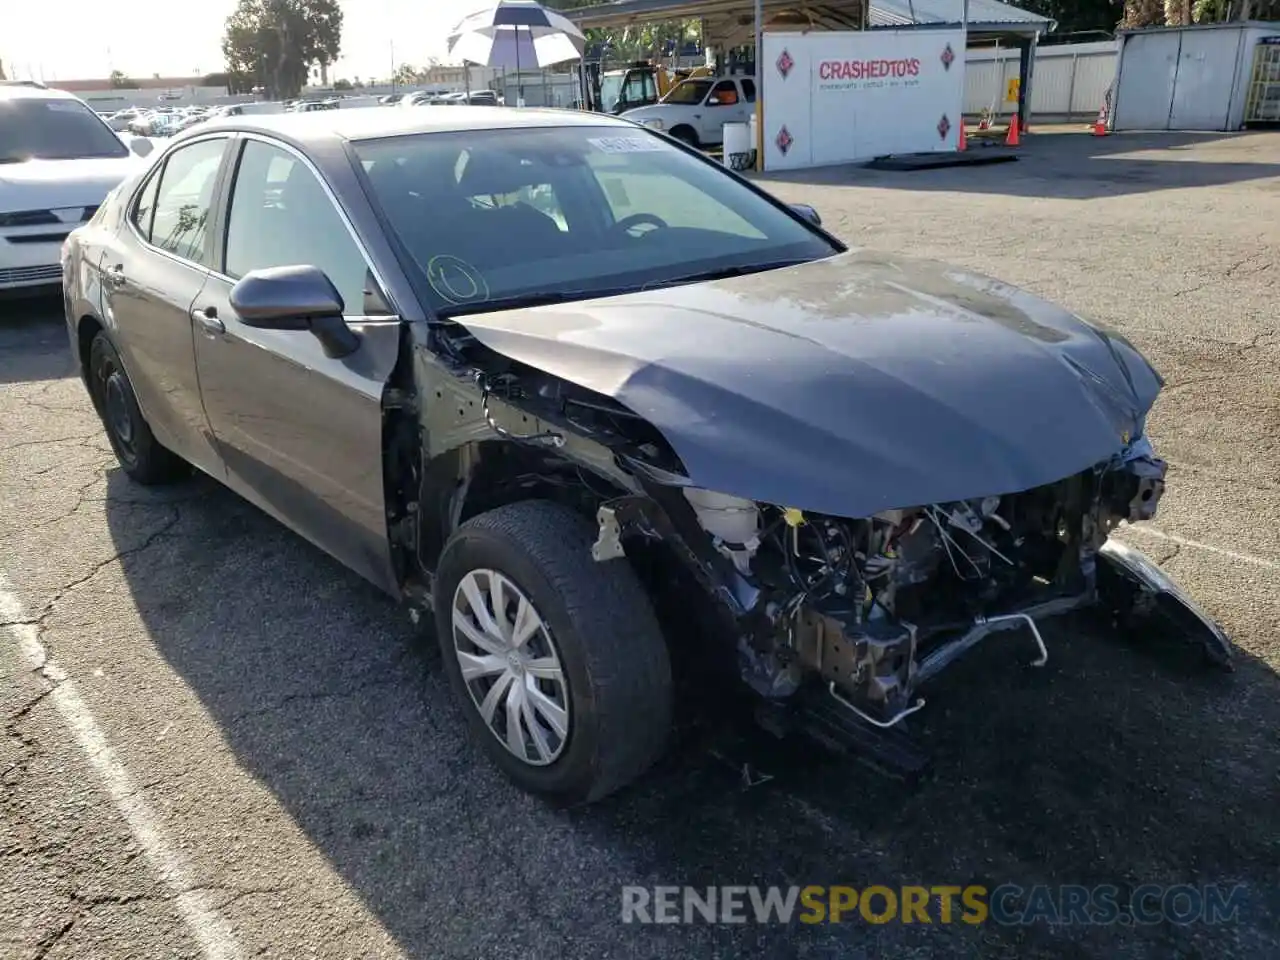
(863, 613)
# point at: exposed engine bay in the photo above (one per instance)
(876, 606)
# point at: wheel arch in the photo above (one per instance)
(482, 475)
(87, 327)
(693, 139)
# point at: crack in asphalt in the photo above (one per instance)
(45, 442)
(147, 544)
(1229, 274)
(82, 495)
(315, 696)
(83, 904)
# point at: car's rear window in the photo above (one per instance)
(579, 210)
(53, 129)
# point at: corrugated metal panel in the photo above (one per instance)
(1070, 80)
(883, 12)
(900, 12)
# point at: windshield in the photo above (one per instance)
(688, 91)
(570, 213)
(53, 129)
(610, 89)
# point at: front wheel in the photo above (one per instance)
(686, 135)
(558, 660)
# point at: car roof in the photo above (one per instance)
(17, 90)
(368, 123)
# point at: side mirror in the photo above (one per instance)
(295, 298)
(808, 213)
(713, 101)
(141, 146)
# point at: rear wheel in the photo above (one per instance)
(140, 454)
(558, 660)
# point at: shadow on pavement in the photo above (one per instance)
(1078, 166)
(33, 341)
(1105, 767)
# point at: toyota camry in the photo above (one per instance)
(591, 402)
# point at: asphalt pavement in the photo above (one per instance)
(217, 743)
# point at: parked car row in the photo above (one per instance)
(476, 98)
(157, 121)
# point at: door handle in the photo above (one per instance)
(208, 320)
(114, 275)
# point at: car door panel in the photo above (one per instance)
(300, 432)
(715, 116)
(148, 293)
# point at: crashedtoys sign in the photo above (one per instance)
(837, 97)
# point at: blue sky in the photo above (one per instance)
(144, 37)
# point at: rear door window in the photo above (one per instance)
(184, 200)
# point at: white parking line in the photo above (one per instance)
(210, 929)
(1206, 547)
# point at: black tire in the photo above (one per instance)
(603, 630)
(140, 454)
(686, 135)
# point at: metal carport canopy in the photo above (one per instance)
(731, 23)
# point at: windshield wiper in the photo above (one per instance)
(721, 273)
(565, 296)
(540, 299)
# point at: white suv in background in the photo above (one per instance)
(696, 110)
(58, 162)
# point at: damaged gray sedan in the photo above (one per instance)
(593, 403)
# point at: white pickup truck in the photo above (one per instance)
(697, 109)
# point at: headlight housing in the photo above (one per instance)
(653, 124)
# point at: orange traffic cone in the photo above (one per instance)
(960, 141)
(1100, 124)
(1011, 140)
(1104, 114)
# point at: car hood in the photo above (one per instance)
(652, 111)
(53, 184)
(849, 385)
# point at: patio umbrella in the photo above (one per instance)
(510, 33)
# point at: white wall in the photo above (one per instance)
(1070, 80)
(837, 97)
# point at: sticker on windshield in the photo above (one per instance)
(456, 280)
(627, 144)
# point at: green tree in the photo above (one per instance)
(276, 43)
(638, 42)
(119, 81)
